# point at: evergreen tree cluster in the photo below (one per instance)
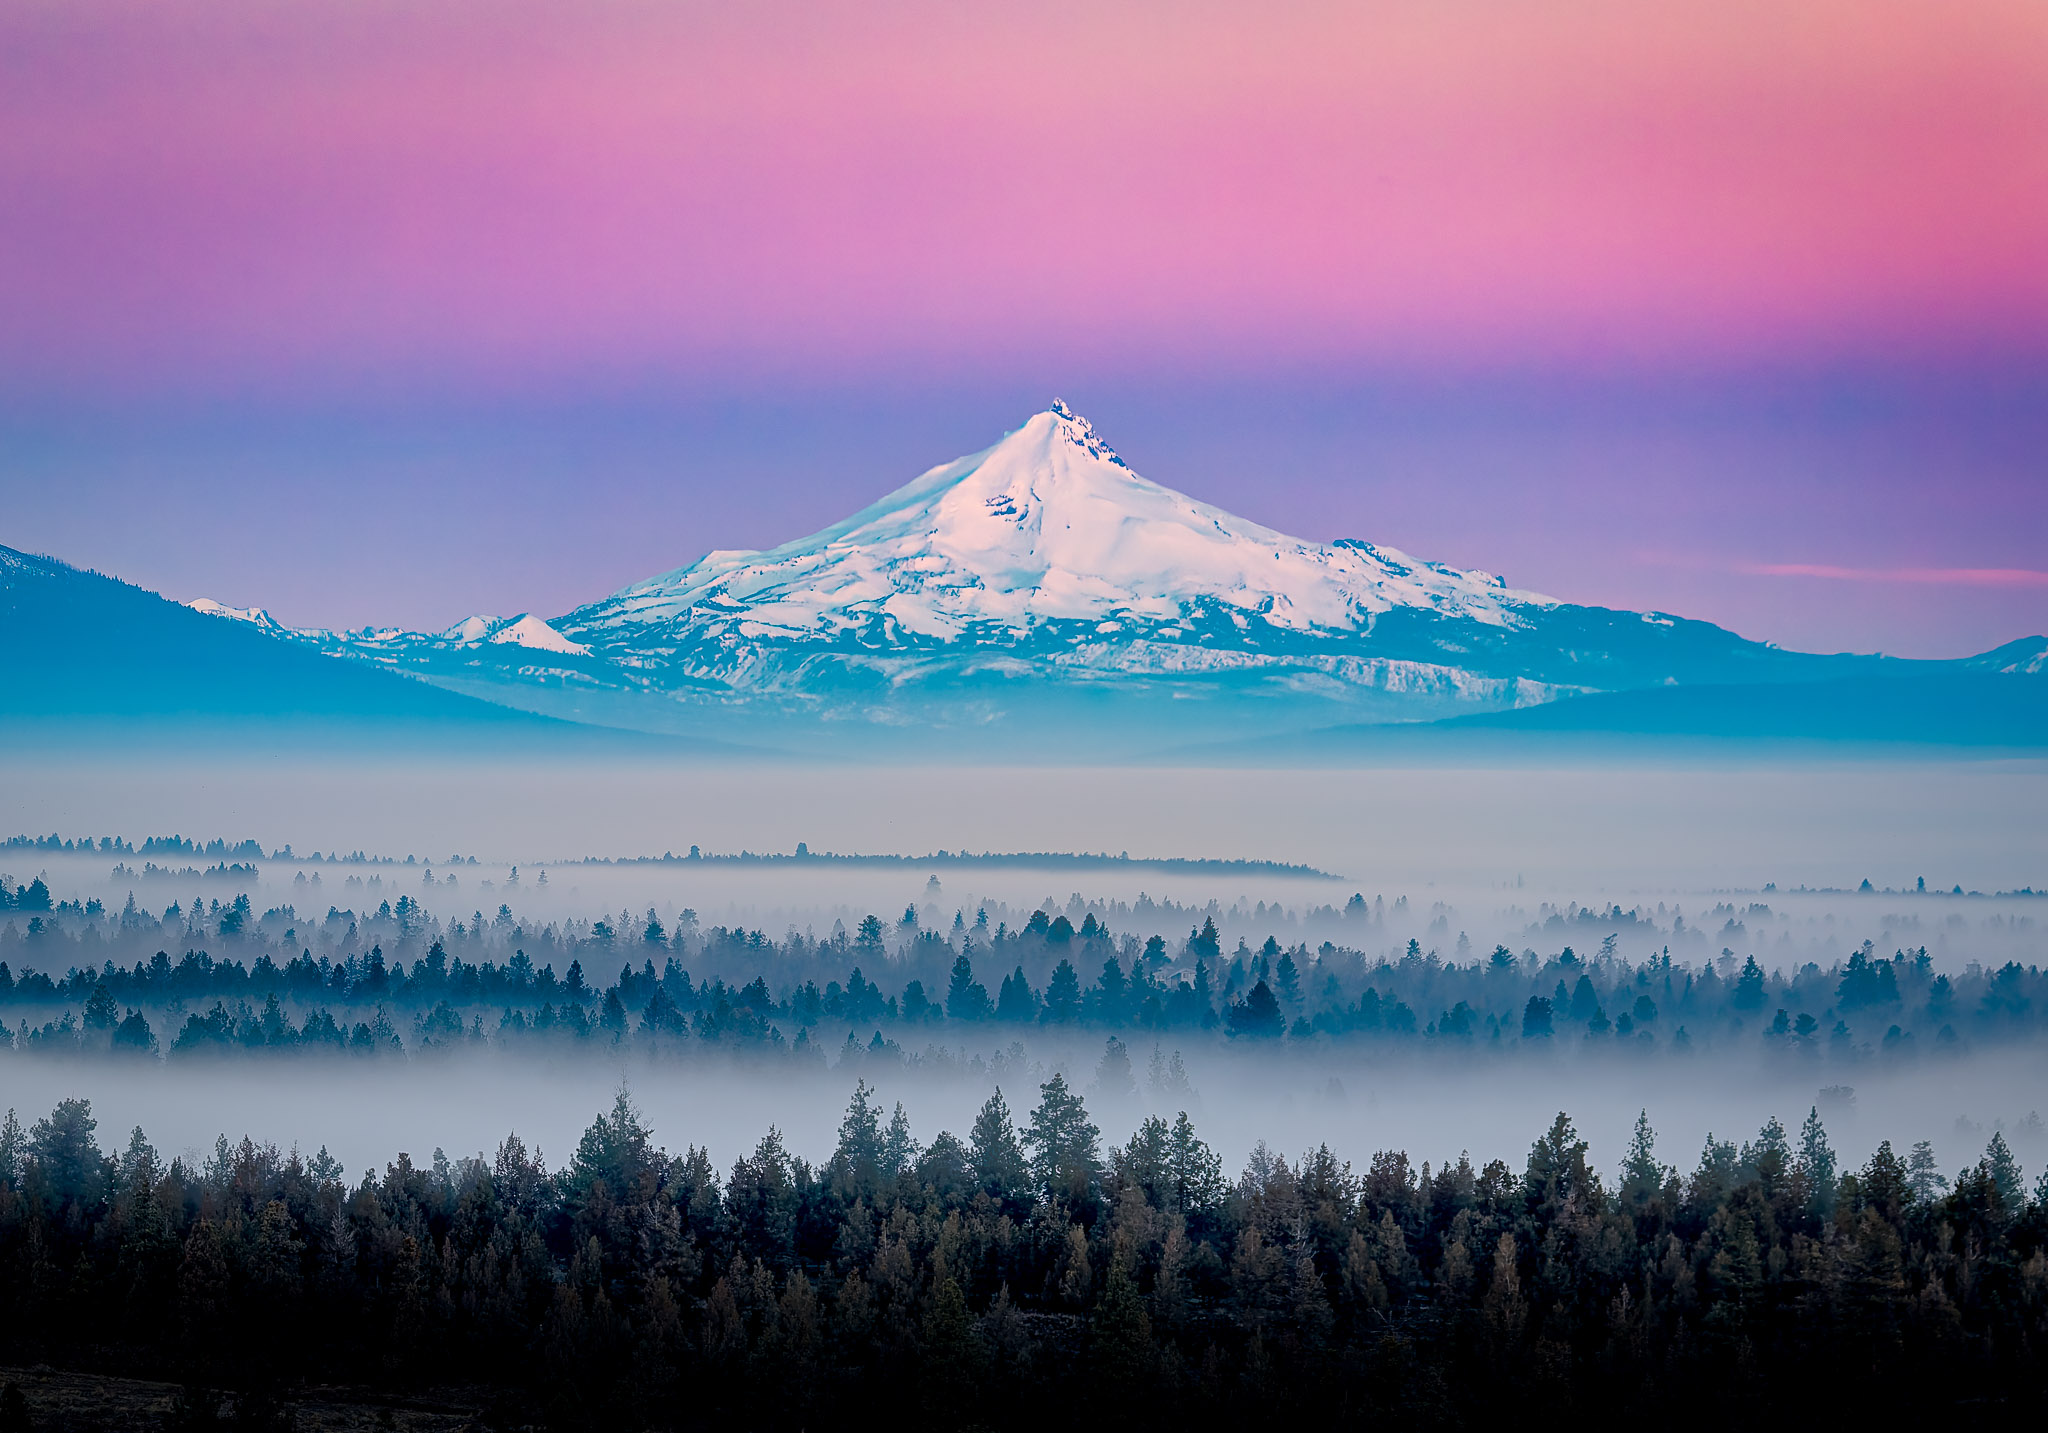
(908, 989)
(33, 897)
(1004, 1278)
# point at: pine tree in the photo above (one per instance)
(1815, 1165)
(67, 1156)
(1642, 1177)
(2004, 1172)
(1066, 1155)
(617, 1151)
(868, 941)
(1120, 1340)
(13, 1149)
(1505, 1309)
(1749, 987)
(858, 1161)
(899, 1150)
(1197, 1170)
(954, 1355)
(1287, 979)
(1204, 993)
(100, 1008)
(1113, 1079)
(1258, 1015)
(1769, 1160)
(1885, 1184)
(1557, 1169)
(994, 1156)
(1923, 1175)
(138, 1163)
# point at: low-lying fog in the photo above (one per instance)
(1596, 831)
(1353, 1101)
(1490, 855)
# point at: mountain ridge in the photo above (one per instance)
(1042, 582)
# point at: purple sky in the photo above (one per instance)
(373, 313)
(1868, 515)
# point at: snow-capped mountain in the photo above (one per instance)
(525, 630)
(1045, 562)
(1040, 579)
(1048, 526)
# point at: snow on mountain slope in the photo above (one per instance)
(1044, 562)
(1042, 581)
(1048, 525)
(2026, 657)
(472, 629)
(527, 630)
(254, 616)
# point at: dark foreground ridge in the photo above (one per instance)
(1009, 1277)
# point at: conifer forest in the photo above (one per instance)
(1096, 1230)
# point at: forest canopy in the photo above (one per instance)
(999, 1277)
(396, 980)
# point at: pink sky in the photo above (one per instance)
(493, 194)
(626, 280)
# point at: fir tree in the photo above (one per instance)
(1017, 1002)
(966, 998)
(1063, 994)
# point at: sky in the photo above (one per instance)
(382, 312)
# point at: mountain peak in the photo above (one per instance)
(1079, 431)
(1047, 526)
(524, 630)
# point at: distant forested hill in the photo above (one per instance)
(83, 647)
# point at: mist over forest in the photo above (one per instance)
(1323, 1094)
(732, 990)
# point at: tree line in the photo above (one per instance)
(1013, 1274)
(931, 991)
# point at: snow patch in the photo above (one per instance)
(254, 616)
(529, 631)
(472, 629)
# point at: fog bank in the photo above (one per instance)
(1356, 1103)
(1614, 828)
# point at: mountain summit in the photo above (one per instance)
(1043, 586)
(1049, 526)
